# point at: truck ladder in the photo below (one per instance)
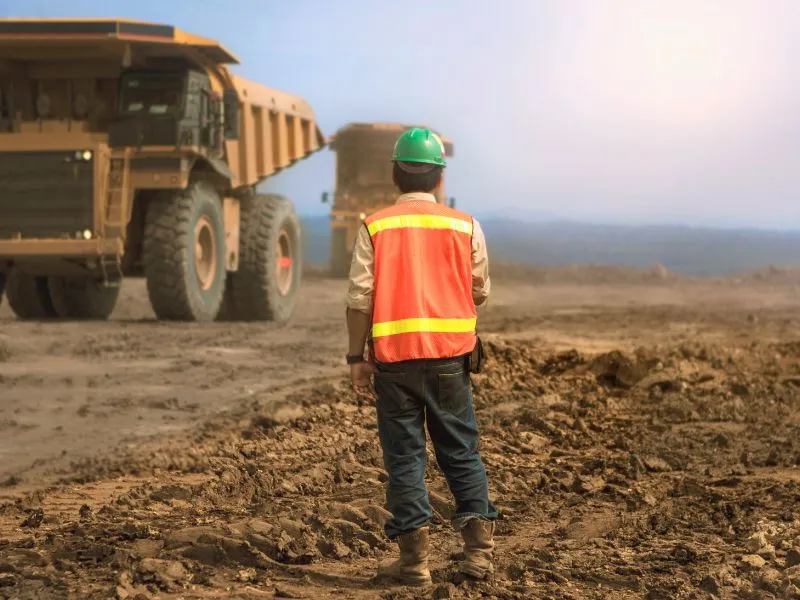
(116, 217)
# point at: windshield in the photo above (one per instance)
(151, 95)
(364, 170)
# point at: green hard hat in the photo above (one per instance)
(419, 145)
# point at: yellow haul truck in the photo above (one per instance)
(363, 183)
(129, 149)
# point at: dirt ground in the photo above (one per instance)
(640, 431)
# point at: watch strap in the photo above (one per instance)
(353, 359)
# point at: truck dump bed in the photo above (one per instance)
(284, 126)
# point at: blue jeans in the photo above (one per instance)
(439, 393)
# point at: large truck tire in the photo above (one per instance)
(226, 310)
(341, 257)
(184, 254)
(265, 286)
(82, 299)
(29, 296)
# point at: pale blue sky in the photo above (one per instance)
(666, 111)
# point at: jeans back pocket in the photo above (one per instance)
(453, 392)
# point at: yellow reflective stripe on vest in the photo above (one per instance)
(420, 221)
(423, 324)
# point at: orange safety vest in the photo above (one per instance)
(423, 306)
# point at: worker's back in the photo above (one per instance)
(423, 280)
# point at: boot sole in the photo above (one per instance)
(403, 582)
(475, 573)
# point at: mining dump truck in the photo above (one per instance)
(130, 149)
(363, 183)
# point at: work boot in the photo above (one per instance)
(412, 566)
(478, 548)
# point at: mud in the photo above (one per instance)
(641, 439)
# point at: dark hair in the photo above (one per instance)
(416, 182)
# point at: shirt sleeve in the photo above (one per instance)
(481, 284)
(361, 288)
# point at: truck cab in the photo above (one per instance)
(168, 108)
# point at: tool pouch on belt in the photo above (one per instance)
(477, 357)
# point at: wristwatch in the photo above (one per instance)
(353, 359)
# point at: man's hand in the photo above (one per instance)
(360, 375)
(358, 324)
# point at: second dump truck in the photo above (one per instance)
(130, 149)
(363, 183)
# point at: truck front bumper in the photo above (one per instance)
(44, 248)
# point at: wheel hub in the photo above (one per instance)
(205, 252)
(284, 263)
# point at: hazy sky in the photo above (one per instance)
(657, 111)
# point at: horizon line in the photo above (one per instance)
(526, 219)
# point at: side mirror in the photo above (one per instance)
(324, 197)
(452, 202)
(230, 102)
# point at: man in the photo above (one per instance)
(419, 269)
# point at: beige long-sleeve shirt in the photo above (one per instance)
(360, 291)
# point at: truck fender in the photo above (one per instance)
(217, 167)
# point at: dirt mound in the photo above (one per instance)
(774, 275)
(667, 472)
(656, 274)
(588, 274)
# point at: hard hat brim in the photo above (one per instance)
(417, 168)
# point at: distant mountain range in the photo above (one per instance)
(687, 250)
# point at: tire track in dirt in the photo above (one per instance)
(76, 390)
